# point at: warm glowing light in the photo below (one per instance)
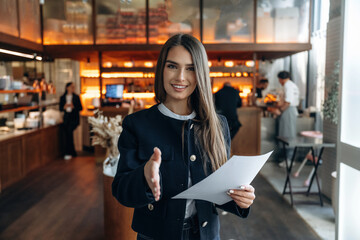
(245, 92)
(123, 75)
(19, 54)
(139, 95)
(216, 74)
(245, 74)
(229, 64)
(209, 64)
(149, 64)
(107, 65)
(90, 73)
(215, 89)
(238, 74)
(226, 74)
(233, 74)
(250, 63)
(128, 64)
(91, 92)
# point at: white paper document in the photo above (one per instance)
(237, 171)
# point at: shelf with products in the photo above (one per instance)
(18, 109)
(25, 102)
(20, 91)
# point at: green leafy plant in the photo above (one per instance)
(331, 103)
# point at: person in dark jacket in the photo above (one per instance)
(70, 104)
(173, 145)
(263, 84)
(227, 100)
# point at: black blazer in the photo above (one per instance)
(227, 100)
(73, 117)
(142, 131)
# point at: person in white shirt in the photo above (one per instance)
(287, 110)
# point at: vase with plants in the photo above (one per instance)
(106, 134)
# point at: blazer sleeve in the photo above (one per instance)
(231, 206)
(77, 103)
(239, 101)
(129, 186)
(62, 103)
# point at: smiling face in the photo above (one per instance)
(179, 77)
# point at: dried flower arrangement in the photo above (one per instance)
(106, 132)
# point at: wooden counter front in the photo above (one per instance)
(248, 139)
(25, 151)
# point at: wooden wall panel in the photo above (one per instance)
(50, 149)
(32, 151)
(247, 141)
(11, 167)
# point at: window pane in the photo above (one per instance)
(68, 22)
(30, 20)
(168, 17)
(350, 115)
(228, 21)
(8, 17)
(121, 22)
(280, 21)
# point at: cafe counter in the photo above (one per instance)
(25, 150)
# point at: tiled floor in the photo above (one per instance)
(321, 219)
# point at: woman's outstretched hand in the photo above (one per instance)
(151, 172)
(244, 196)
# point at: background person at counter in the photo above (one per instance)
(70, 104)
(227, 100)
(287, 110)
(263, 84)
(171, 146)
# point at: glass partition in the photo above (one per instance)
(8, 18)
(168, 17)
(120, 22)
(280, 21)
(228, 21)
(68, 22)
(29, 11)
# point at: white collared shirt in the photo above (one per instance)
(292, 94)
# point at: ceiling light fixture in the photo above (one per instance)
(250, 63)
(19, 54)
(148, 64)
(229, 64)
(128, 64)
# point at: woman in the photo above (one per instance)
(70, 104)
(173, 145)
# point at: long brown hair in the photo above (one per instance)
(210, 131)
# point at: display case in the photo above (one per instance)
(29, 15)
(68, 22)
(167, 18)
(9, 17)
(120, 23)
(228, 21)
(154, 21)
(281, 21)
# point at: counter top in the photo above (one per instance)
(87, 113)
(19, 133)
